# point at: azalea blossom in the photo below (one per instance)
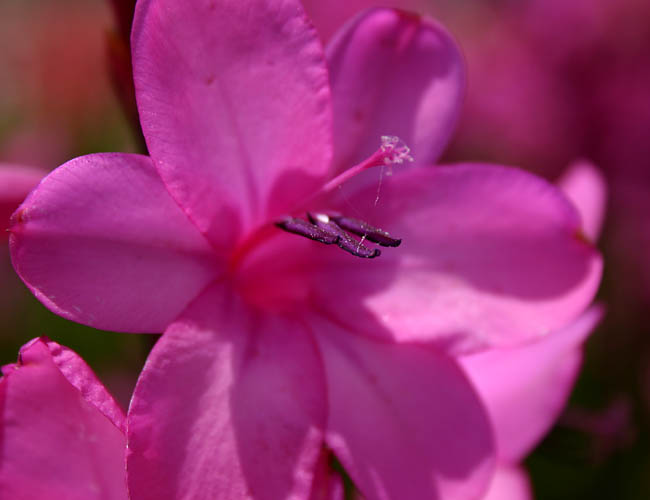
(268, 153)
(62, 434)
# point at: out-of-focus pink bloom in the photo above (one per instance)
(274, 343)
(61, 433)
(525, 388)
(16, 181)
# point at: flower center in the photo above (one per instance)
(334, 228)
(275, 271)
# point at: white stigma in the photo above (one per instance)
(395, 150)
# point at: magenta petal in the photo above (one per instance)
(82, 378)
(404, 421)
(509, 483)
(586, 187)
(525, 388)
(102, 243)
(16, 182)
(394, 73)
(229, 405)
(58, 441)
(234, 103)
(489, 256)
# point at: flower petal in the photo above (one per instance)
(235, 106)
(404, 421)
(229, 405)
(509, 483)
(102, 243)
(55, 442)
(82, 378)
(525, 388)
(489, 256)
(394, 73)
(586, 187)
(16, 182)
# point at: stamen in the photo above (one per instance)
(304, 228)
(366, 231)
(345, 241)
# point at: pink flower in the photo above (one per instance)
(62, 434)
(275, 344)
(525, 388)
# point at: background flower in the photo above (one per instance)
(63, 435)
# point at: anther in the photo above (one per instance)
(304, 228)
(365, 230)
(345, 241)
(323, 228)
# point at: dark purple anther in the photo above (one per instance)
(344, 240)
(330, 229)
(365, 230)
(304, 228)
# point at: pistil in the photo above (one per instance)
(392, 151)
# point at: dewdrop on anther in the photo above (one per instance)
(396, 151)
